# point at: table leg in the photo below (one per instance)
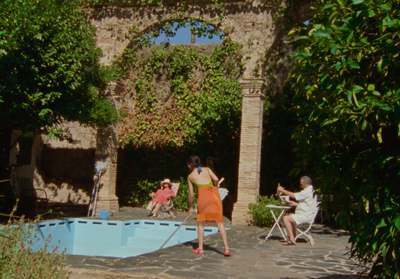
(280, 218)
(277, 221)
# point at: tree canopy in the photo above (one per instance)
(347, 86)
(49, 67)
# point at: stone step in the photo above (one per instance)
(154, 233)
(150, 243)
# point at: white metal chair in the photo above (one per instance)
(306, 232)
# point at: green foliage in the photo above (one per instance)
(141, 193)
(347, 100)
(260, 215)
(204, 96)
(18, 261)
(185, 103)
(182, 198)
(49, 65)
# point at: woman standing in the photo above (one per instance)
(209, 205)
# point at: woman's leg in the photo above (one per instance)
(151, 206)
(157, 207)
(200, 234)
(222, 233)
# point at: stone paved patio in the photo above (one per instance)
(251, 256)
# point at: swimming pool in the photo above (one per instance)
(79, 236)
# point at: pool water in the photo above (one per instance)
(90, 237)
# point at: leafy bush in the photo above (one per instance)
(140, 194)
(181, 202)
(260, 215)
(60, 66)
(17, 259)
(347, 102)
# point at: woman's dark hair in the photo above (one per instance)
(194, 161)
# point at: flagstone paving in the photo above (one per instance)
(251, 256)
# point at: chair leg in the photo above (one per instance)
(305, 233)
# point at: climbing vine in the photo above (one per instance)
(180, 93)
(177, 101)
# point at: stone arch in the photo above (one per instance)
(249, 23)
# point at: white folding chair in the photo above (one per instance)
(309, 226)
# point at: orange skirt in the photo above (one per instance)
(209, 205)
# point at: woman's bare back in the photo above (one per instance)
(204, 177)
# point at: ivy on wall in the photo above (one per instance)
(180, 93)
(178, 101)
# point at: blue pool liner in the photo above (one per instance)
(90, 237)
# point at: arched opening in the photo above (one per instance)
(189, 34)
(178, 100)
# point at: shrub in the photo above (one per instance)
(260, 215)
(17, 259)
(181, 201)
(140, 195)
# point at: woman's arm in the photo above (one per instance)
(190, 186)
(171, 194)
(214, 178)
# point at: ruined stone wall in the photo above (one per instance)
(64, 170)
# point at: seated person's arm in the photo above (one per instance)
(286, 192)
(293, 203)
(171, 195)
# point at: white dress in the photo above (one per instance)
(305, 210)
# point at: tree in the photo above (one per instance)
(49, 68)
(347, 86)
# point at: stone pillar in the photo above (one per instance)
(107, 148)
(250, 149)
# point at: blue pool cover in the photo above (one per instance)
(91, 237)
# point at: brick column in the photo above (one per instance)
(107, 148)
(250, 149)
